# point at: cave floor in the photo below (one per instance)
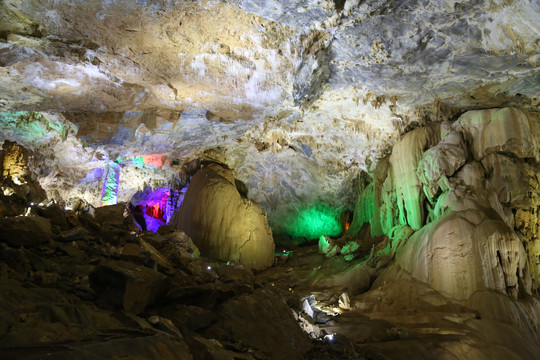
(407, 320)
(87, 296)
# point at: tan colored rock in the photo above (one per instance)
(460, 254)
(16, 174)
(508, 178)
(404, 160)
(440, 162)
(221, 223)
(499, 130)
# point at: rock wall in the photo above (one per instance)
(471, 191)
(222, 223)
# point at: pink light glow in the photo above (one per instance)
(156, 160)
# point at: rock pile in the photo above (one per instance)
(86, 284)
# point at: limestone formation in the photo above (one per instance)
(222, 223)
(404, 160)
(481, 198)
(499, 130)
(463, 253)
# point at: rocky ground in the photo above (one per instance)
(85, 284)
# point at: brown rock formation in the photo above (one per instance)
(222, 223)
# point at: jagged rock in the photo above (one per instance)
(178, 248)
(111, 214)
(128, 286)
(142, 345)
(55, 214)
(27, 231)
(234, 273)
(36, 315)
(222, 224)
(208, 295)
(440, 162)
(212, 349)
(328, 247)
(74, 234)
(350, 248)
(134, 253)
(189, 316)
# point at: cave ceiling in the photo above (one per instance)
(296, 96)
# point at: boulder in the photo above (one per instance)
(263, 321)
(128, 286)
(27, 231)
(222, 223)
(178, 248)
(328, 247)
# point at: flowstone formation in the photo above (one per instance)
(223, 224)
(467, 187)
(457, 201)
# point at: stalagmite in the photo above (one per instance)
(223, 224)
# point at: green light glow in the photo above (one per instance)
(313, 221)
(138, 161)
(31, 126)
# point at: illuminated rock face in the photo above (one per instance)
(479, 185)
(109, 194)
(15, 174)
(222, 223)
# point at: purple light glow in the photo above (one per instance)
(157, 205)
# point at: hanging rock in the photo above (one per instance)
(405, 157)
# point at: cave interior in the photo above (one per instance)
(247, 179)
